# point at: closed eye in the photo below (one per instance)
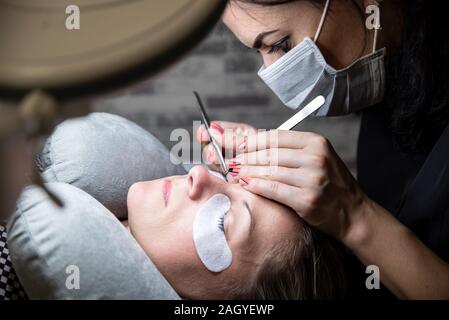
(237, 223)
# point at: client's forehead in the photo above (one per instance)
(266, 210)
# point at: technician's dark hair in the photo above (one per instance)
(418, 77)
(417, 96)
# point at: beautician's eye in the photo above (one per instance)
(283, 44)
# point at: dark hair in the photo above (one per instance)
(307, 267)
(417, 94)
(418, 78)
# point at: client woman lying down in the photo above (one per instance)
(208, 238)
(215, 240)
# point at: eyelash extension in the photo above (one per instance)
(282, 44)
(221, 223)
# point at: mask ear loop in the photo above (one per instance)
(323, 18)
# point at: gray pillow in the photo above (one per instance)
(104, 154)
(50, 245)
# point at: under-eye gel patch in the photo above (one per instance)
(208, 234)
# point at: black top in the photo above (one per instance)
(414, 188)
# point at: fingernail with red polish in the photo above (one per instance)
(234, 164)
(217, 127)
(235, 170)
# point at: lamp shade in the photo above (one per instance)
(82, 47)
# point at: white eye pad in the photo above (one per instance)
(208, 234)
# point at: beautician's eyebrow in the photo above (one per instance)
(258, 41)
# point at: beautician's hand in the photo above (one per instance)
(229, 135)
(302, 171)
(306, 175)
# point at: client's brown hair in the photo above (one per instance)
(309, 267)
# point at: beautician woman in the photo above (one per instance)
(396, 216)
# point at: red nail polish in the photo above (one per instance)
(235, 170)
(233, 164)
(217, 127)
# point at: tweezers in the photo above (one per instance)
(213, 142)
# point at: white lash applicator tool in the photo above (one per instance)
(303, 114)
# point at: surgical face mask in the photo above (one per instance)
(302, 74)
(208, 234)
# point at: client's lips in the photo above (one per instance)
(166, 188)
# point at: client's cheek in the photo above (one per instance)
(170, 251)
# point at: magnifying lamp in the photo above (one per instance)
(56, 52)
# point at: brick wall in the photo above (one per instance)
(225, 74)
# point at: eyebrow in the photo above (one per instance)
(251, 215)
(258, 41)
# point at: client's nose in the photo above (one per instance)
(201, 183)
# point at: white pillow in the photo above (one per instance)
(49, 245)
(104, 154)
